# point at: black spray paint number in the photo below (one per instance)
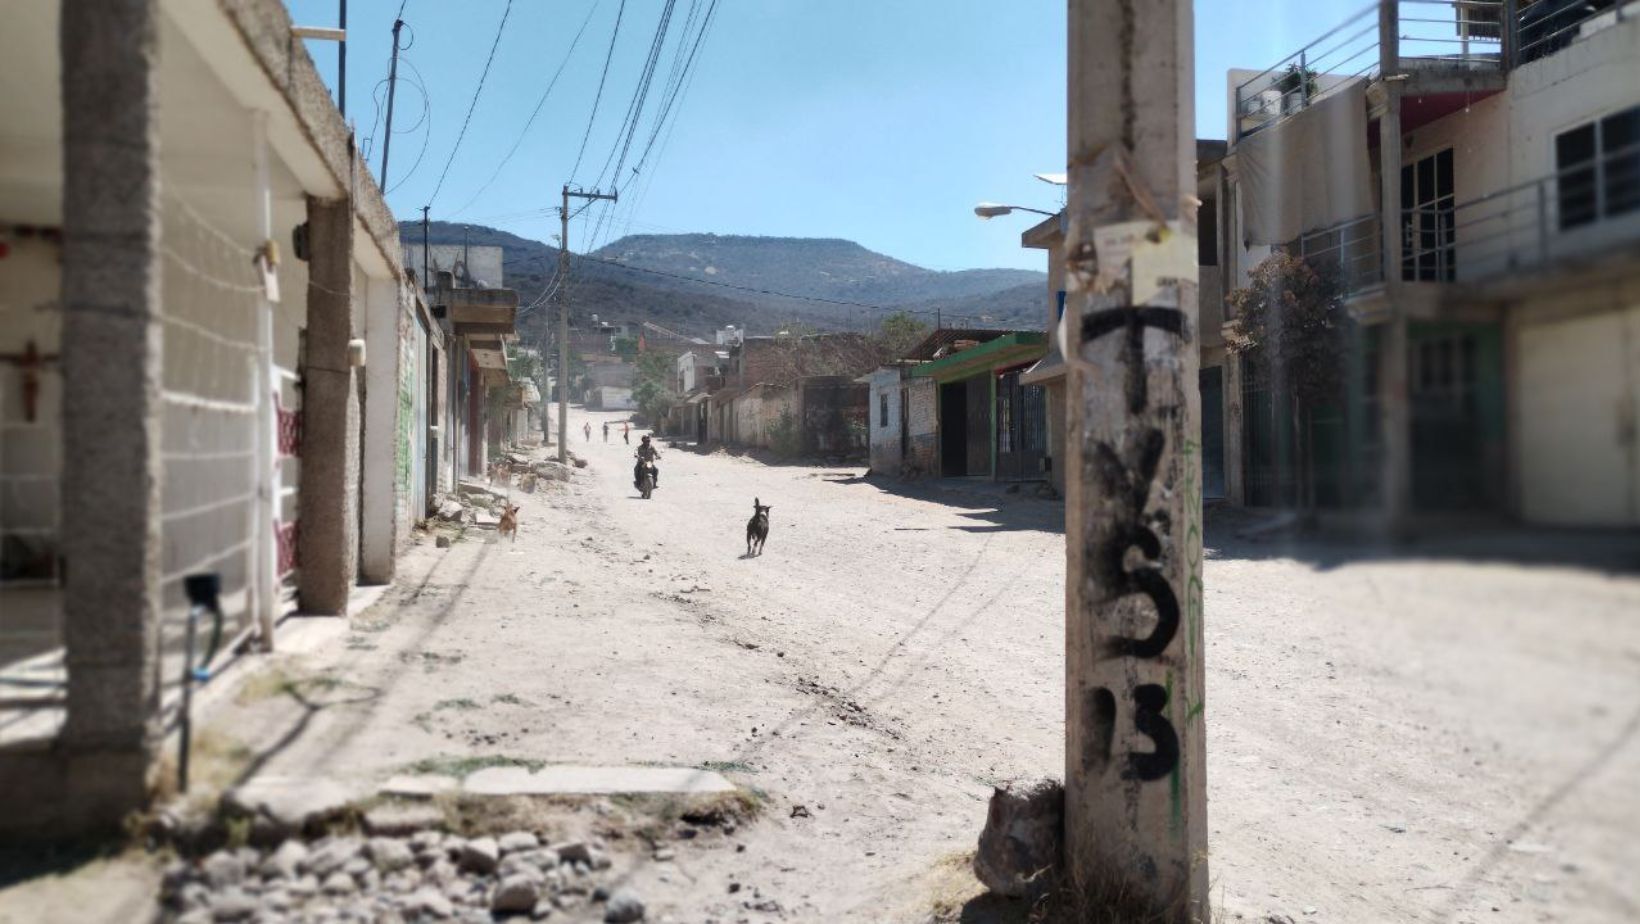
(1126, 477)
(1149, 700)
(1129, 482)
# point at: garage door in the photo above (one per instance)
(1579, 386)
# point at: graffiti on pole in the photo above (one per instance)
(1126, 477)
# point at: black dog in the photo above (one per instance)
(757, 528)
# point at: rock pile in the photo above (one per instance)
(1020, 846)
(426, 876)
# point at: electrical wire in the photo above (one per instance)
(640, 94)
(420, 84)
(677, 86)
(608, 56)
(535, 112)
(505, 12)
(634, 115)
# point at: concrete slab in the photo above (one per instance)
(294, 802)
(419, 787)
(599, 781)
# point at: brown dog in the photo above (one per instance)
(509, 522)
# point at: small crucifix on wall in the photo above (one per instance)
(30, 362)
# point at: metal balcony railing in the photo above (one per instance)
(1546, 26)
(1460, 32)
(1586, 210)
(1351, 251)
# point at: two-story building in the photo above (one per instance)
(1470, 170)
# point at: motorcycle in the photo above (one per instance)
(646, 477)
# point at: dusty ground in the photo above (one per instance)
(1393, 736)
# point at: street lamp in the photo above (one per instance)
(989, 210)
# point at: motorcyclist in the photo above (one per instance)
(646, 453)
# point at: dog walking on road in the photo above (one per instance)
(757, 528)
(509, 523)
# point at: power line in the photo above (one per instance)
(505, 12)
(608, 56)
(634, 115)
(536, 112)
(426, 116)
(640, 94)
(677, 86)
(681, 78)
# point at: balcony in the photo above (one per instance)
(1436, 38)
(1543, 27)
(1579, 216)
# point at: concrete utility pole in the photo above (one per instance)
(1135, 773)
(341, 61)
(392, 84)
(563, 313)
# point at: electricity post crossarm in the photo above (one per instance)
(563, 310)
(1135, 754)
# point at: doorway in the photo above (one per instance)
(954, 429)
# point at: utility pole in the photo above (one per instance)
(1135, 754)
(563, 312)
(341, 62)
(424, 255)
(392, 84)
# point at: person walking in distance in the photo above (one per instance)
(587, 429)
(606, 431)
(626, 433)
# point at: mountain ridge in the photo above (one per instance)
(697, 283)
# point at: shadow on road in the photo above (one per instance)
(1610, 551)
(993, 509)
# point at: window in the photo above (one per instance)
(1428, 241)
(882, 409)
(1597, 169)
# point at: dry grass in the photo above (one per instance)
(955, 895)
(216, 762)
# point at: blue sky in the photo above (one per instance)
(880, 121)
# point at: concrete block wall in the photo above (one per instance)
(922, 428)
(884, 408)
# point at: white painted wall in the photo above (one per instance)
(385, 326)
(885, 434)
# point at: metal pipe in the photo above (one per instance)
(204, 595)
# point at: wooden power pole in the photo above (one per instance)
(1135, 770)
(563, 313)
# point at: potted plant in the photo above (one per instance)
(1297, 86)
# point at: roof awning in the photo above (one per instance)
(486, 358)
(1050, 368)
(490, 312)
(1000, 353)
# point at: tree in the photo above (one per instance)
(1292, 323)
(898, 333)
(652, 385)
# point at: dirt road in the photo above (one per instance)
(1390, 738)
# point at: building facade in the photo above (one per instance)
(1480, 209)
